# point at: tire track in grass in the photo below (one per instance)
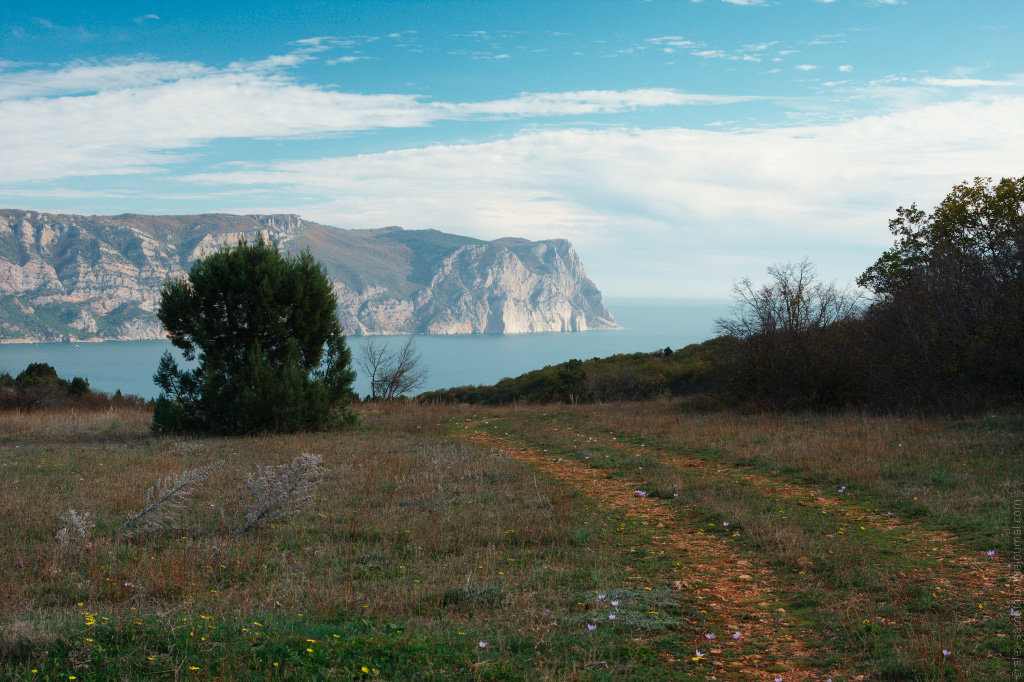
(735, 591)
(971, 572)
(972, 586)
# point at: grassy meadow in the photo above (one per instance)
(614, 541)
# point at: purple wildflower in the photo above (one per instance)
(946, 653)
(482, 644)
(1014, 613)
(709, 636)
(991, 552)
(591, 627)
(736, 635)
(640, 493)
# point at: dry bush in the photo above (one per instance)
(281, 491)
(77, 527)
(167, 500)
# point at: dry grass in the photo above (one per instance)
(884, 525)
(409, 533)
(418, 546)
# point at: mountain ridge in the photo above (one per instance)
(67, 277)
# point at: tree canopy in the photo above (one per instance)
(262, 332)
(975, 235)
(947, 323)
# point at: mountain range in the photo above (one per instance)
(90, 278)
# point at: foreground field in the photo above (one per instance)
(589, 542)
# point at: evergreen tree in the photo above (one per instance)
(269, 352)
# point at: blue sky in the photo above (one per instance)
(680, 145)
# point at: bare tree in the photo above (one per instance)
(792, 340)
(392, 373)
(794, 301)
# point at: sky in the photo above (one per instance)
(681, 145)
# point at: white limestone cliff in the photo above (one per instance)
(65, 277)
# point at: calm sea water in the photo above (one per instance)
(650, 325)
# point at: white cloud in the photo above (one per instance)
(846, 68)
(823, 190)
(674, 41)
(584, 102)
(145, 115)
(273, 62)
(806, 67)
(964, 82)
(347, 59)
(85, 77)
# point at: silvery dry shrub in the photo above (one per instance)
(280, 491)
(76, 527)
(166, 500)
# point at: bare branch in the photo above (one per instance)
(392, 374)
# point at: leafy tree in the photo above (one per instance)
(975, 234)
(269, 352)
(947, 325)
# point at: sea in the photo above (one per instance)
(450, 360)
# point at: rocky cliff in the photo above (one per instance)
(71, 277)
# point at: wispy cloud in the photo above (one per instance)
(672, 41)
(126, 117)
(965, 82)
(783, 192)
(586, 102)
(90, 77)
(347, 59)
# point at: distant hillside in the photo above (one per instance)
(71, 277)
(627, 376)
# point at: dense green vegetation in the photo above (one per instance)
(269, 349)
(39, 387)
(633, 376)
